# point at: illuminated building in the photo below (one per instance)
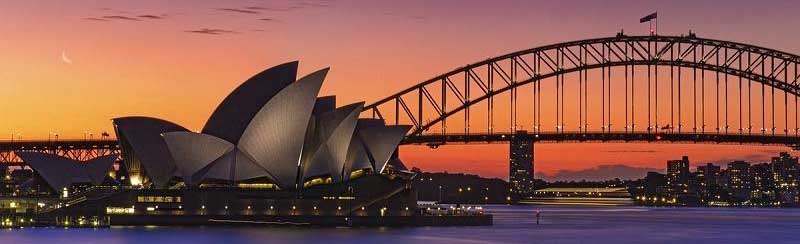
(708, 178)
(521, 167)
(678, 177)
(272, 152)
(786, 174)
(271, 149)
(271, 130)
(739, 181)
(763, 184)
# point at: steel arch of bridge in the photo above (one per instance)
(80, 150)
(770, 68)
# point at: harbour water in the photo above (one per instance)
(512, 224)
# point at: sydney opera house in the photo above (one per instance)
(272, 151)
(271, 132)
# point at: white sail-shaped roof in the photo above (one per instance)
(313, 139)
(61, 172)
(333, 131)
(373, 142)
(97, 168)
(143, 134)
(357, 157)
(275, 136)
(220, 168)
(235, 166)
(235, 112)
(269, 127)
(382, 141)
(324, 104)
(57, 171)
(194, 151)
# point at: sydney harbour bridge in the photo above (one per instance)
(639, 89)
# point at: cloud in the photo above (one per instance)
(314, 4)
(113, 10)
(120, 17)
(293, 6)
(258, 8)
(269, 19)
(602, 172)
(236, 10)
(210, 31)
(150, 16)
(274, 9)
(95, 19)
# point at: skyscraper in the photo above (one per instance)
(786, 172)
(521, 166)
(739, 181)
(708, 176)
(678, 177)
(763, 188)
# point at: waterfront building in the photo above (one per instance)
(786, 175)
(739, 181)
(60, 172)
(5, 181)
(272, 131)
(655, 185)
(15, 180)
(678, 177)
(740, 184)
(271, 151)
(521, 167)
(708, 181)
(763, 184)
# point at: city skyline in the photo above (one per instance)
(69, 61)
(741, 183)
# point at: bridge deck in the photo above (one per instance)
(636, 137)
(75, 149)
(9, 145)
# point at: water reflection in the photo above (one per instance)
(513, 224)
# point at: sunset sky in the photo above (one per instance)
(69, 67)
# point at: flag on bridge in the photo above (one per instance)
(649, 17)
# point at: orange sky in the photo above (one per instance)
(160, 66)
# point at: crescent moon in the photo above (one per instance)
(64, 57)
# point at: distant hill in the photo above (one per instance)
(599, 173)
(459, 188)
